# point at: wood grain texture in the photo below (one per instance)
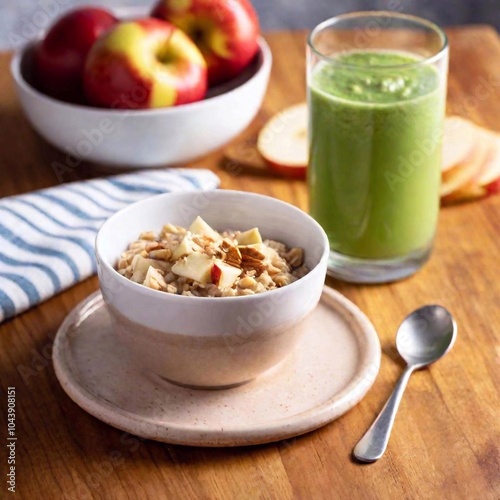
(447, 435)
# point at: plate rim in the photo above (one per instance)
(278, 429)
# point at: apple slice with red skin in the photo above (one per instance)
(215, 274)
(464, 173)
(282, 142)
(223, 275)
(489, 177)
(147, 63)
(459, 141)
(493, 187)
(60, 57)
(225, 31)
(481, 167)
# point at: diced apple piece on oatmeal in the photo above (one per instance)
(196, 266)
(199, 226)
(154, 279)
(250, 237)
(186, 246)
(223, 275)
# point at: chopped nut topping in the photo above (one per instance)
(202, 262)
(251, 252)
(161, 254)
(148, 235)
(295, 257)
(231, 253)
(247, 282)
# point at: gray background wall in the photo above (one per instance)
(22, 19)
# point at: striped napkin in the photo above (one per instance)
(47, 237)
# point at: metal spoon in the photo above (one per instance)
(424, 336)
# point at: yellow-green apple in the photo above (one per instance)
(60, 56)
(147, 63)
(226, 32)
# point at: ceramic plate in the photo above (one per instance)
(334, 365)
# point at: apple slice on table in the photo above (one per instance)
(489, 177)
(470, 178)
(458, 143)
(470, 192)
(283, 142)
(464, 173)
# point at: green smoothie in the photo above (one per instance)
(375, 153)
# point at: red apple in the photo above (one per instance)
(146, 63)
(60, 56)
(226, 32)
(282, 142)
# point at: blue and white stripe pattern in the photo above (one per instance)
(47, 237)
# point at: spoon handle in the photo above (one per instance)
(373, 444)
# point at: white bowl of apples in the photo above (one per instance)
(147, 92)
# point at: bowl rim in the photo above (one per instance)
(15, 69)
(139, 288)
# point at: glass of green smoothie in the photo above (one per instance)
(376, 97)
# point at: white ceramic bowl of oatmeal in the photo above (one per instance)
(220, 341)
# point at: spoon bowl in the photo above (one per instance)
(424, 336)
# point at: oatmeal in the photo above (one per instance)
(202, 262)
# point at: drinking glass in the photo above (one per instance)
(376, 97)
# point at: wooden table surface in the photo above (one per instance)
(446, 440)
